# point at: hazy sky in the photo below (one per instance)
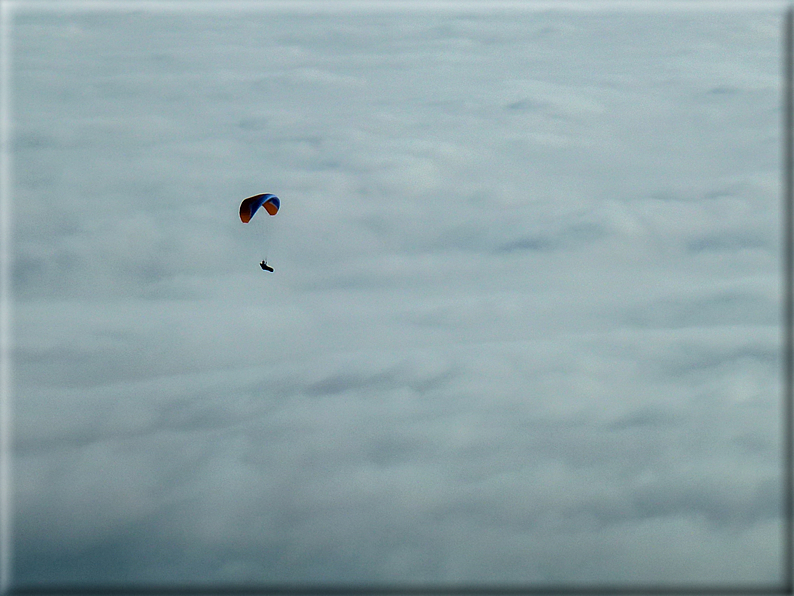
(525, 319)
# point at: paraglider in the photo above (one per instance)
(250, 206)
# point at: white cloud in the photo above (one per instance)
(524, 324)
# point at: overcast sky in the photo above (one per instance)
(525, 319)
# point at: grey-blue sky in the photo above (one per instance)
(524, 324)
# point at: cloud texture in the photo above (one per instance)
(525, 319)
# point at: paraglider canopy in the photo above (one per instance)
(251, 205)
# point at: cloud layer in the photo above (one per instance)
(524, 324)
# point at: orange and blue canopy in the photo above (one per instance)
(250, 206)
